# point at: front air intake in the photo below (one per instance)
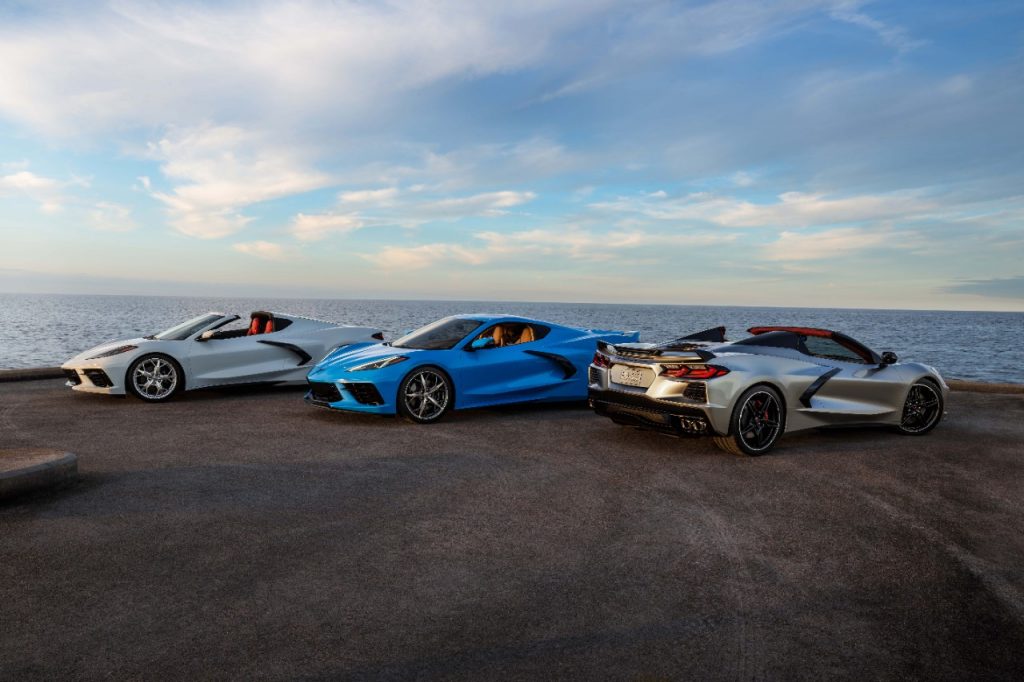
(98, 378)
(324, 392)
(365, 393)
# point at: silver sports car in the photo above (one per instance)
(746, 394)
(210, 350)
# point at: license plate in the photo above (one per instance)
(631, 376)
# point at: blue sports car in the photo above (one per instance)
(460, 362)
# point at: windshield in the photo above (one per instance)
(440, 335)
(187, 329)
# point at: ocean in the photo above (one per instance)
(38, 330)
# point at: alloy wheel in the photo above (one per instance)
(426, 395)
(922, 409)
(155, 378)
(760, 421)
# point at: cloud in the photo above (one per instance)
(318, 226)
(264, 250)
(484, 204)
(473, 165)
(893, 36)
(417, 257)
(379, 197)
(146, 63)
(798, 209)
(112, 217)
(792, 209)
(408, 209)
(222, 169)
(998, 287)
(830, 244)
(572, 243)
(47, 192)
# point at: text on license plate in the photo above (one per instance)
(631, 376)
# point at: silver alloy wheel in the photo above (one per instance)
(760, 421)
(426, 395)
(155, 378)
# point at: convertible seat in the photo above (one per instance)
(269, 328)
(527, 335)
(499, 335)
(254, 327)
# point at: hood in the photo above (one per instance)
(109, 345)
(343, 358)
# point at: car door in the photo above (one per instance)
(505, 374)
(853, 386)
(243, 359)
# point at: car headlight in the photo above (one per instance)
(113, 351)
(379, 364)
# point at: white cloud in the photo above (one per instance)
(112, 217)
(798, 209)
(573, 243)
(318, 226)
(742, 179)
(830, 244)
(384, 196)
(893, 36)
(486, 204)
(47, 192)
(222, 169)
(264, 250)
(410, 209)
(792, 209)
(147, 64)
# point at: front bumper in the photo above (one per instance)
(92, 379)
(351, 396)
(639, 410)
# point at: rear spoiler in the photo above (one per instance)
(631, 351)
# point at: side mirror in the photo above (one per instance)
(889, 358)
(481, 343)
(206, 336)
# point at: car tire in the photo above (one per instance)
(922, 410)
(758, 421)
(425, 395)
(154, 378)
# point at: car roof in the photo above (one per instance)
(493, 317)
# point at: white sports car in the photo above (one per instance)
(211, 351)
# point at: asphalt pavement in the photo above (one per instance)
(241, 534)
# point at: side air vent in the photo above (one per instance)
(72, 377)
(696, 390)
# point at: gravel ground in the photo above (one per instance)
(243, 534)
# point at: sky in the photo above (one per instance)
(830, 153)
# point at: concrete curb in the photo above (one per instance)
(31, 374)
(982, 387)
(27, 470)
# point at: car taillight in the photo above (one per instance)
(694, 372)
(601, 360)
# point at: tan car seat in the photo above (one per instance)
(499, 335)
(527, 335)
